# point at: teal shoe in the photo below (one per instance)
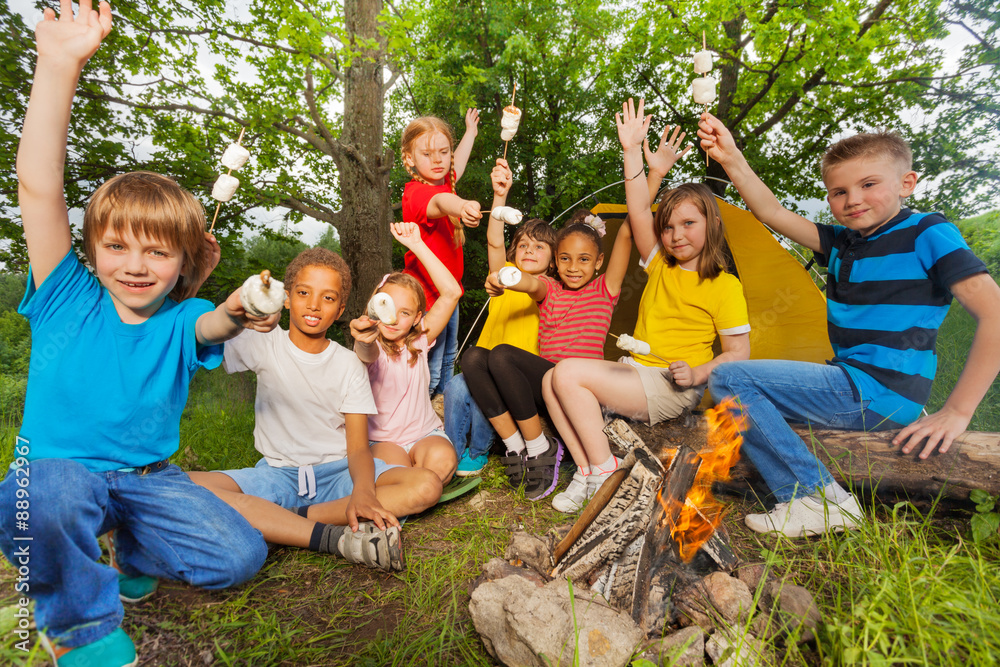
(470, 465)
(136, 589)
(114, 650)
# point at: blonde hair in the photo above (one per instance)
(417, 128)
(884, 144)
(145, 203)
(417, 330)
(713, 258)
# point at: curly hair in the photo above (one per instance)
(320, 257)
(714, 258)
(148, 204)
(410, 283)
(537, 230)
(417, 128)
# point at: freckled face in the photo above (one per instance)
(431, 157)
(407, 314)
(577, 260)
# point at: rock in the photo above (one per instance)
(752, 574)
(716, 596)
(797, 613)
(498, 568)
(684, 648)
(533, 551)
(734, 648)
(522, 624)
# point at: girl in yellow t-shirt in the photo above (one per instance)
(513, 319)
(688, 300)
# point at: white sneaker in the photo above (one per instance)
(576, 494)
(808, 516)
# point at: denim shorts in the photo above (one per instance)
(408, 446)
(291, 486)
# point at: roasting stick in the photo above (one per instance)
(228, 173)
(589, 513)
(512, 104)
(704, 47)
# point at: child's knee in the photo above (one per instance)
(425, 487)
(236, 561)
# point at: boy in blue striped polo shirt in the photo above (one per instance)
(891, 277)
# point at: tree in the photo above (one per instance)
(190, 76)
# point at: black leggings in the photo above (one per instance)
(506, 379)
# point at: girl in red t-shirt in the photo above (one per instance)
(430, 201)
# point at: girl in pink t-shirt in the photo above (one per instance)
(574, 316)
(406, 431)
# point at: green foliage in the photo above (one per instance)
(985, 522)
(982, 233)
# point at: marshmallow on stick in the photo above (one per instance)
(508, 124)
(225, 187)
(235, 157)
(509, 276)
(634, 345)
(382, 308)
(703, 90)
(507, 214)
(261, 295)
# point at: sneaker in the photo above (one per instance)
(470, 465)
(373, 547)
(541, 474)
(130, 589)
(576, 494)
(513, 467)
(807, 516)
(114, 650)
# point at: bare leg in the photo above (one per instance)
(436, 454)
(530, 428)
(582, 386)
(504, 425)
(562, 423)
(391, 453)
(402, 491)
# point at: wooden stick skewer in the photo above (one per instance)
(512, 104)
(704, 47)
(219, 205)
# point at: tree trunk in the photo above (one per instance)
(866, 460)
(364, 179)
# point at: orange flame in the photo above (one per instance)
(701, 513)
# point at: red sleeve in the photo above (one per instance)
(417, 197)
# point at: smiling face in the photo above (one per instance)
(430, 157)
(865, 193)
(137, 271)
(314, 303)
(407, 312)
(577, 260)
(532, 256)
(684, 235)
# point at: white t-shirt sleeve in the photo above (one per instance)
(358, 398)
(243, 352)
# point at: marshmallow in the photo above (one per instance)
(507, 135)
(235, 157)
(704, 90)
(224, 188)
(508, 124)
(262, 295)
(507, 214)
(382, 308)
(703, 62)
(509, 276)
(634, 345)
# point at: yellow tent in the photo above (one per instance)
(787, 310)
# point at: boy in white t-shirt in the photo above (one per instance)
(317, 476)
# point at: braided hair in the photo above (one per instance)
(417, 128)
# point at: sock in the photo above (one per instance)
(833, 492)
(325, 538)
(514, 443)
(607, 467)
(302, 511)
(537, 446)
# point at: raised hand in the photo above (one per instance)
(364, 330)
(72, 39)
(502, 178)
(407, 233)
(632, 127)
(667, 153)
(472, 121)
(716, 140)
(471, 213)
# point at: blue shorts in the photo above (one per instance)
(291, 487)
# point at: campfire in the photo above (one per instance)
(648, 554)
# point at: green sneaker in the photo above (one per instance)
(114, 650)
(136, 589)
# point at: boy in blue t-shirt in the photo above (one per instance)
(112, 356)
(892, 274)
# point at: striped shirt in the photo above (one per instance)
(887, 294)
(574, 323)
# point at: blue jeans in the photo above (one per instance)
(168, 527)
(772, 391)
(464, 420)
(441, 358)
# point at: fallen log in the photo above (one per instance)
(865, 460)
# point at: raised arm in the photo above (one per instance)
(666, 155)
(632, 130)
(718, 143)
(464, 148)
(229, 319)
(449, 291)
(528, 284)
(621, 252)
(501, 179)
(447, 203)
(64, 47)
